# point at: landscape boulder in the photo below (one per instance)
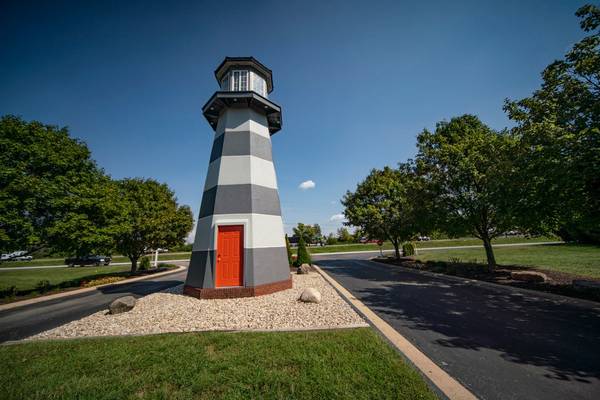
(529, 276)
(303, 269)
(122, 304)
(310, 295)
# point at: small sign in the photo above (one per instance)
(380, 243)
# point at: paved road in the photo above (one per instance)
(21, 322)
(500, 343)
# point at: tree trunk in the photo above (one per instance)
(396, 249)
(489, 252)
(133, 265)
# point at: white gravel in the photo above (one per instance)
(170, 311)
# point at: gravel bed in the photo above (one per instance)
(170, 311)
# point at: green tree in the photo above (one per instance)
(468, 168)
(303, 255)
(559, 130)
(331, 239)
(388, 204)
(289, 250)
(310, 233)
(150, 218)
(344, 236)
(52, 194)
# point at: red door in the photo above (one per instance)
(230, 256)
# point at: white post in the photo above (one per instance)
(155, 258)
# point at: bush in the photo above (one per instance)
(409, 249)
(9, 292)
(145, 264)
(43, 286)
(303, 255)
(103, 281)
(289, 251)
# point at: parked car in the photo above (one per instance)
(16, 256)
(88, 260)
(22, 258)
(423, 238)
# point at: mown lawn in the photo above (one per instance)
(576, 259)
(61, 261)
(26, 279)
(352, 364)
(431, 243)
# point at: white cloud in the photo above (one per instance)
(337, 217)
(192, 235)
(307, 185)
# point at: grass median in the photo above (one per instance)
(28, 282)
(353, 363)
(582, 260)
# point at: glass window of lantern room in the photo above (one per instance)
(240, 80)
(258, 84)
(225, 83)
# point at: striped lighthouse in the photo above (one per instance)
(239, 249)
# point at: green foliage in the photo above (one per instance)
(310, 233)
(469, 174)
(43, 286)
(289, 251)
(303, 255)
(150, 218)
(344, 236)
(559, 132)
(144, 264)
(9, 292)
(331, 239)
(186, 247)
(409, 249)
(51, 191)
(389, 204)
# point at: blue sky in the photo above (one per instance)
(357, 81)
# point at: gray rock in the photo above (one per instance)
(122, 304)
(528, 276)
(310, 295)
(303, 269)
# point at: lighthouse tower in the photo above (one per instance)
(239, 249)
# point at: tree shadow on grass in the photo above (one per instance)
(560, 335)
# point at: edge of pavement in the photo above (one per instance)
(40, 299)
(445, 383)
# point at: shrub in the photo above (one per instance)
(43, 286)
(409, 249)
(144, 264)
(9, 292)
(103, 281)
(289, 251)
(303, 255)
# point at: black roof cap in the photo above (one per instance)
(230, 62)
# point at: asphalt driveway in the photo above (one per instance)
(499, 342)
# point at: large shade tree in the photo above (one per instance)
(469, 169)
(559, 130)
(150, 218)
(52, 194)
(390, 204)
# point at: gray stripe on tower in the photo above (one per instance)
(268, 259)
(240, 199)
(244, 143)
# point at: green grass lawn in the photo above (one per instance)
(27, 279)
(352, 364)
(115, 259)
(581, 260)
(431, 243)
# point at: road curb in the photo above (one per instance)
(41, 299)
(445, 383)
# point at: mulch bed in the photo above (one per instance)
(557, 282)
